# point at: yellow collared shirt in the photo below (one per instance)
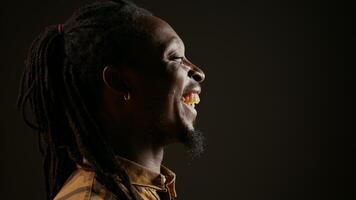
(82, 184)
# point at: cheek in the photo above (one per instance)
(163, 89)
(171, 83)
(177, 84)
(176, 106)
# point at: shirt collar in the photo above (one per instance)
(141, 176)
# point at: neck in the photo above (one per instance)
(149, 158)
(132, 145)
(138, 149)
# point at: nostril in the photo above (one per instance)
(196, 75)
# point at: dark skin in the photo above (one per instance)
(156, 76)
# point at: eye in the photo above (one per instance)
(178, 59)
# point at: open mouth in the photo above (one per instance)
(191, 99)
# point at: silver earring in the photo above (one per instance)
(127, 96)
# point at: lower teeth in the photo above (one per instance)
(192, 105)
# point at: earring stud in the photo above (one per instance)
(127, 96)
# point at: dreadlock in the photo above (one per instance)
(61, 86)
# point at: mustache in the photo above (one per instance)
(192, 86)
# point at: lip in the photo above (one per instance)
(187, 91)
(191, 109)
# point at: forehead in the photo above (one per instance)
(159, 33)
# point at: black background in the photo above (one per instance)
(276, 103)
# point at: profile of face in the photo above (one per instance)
(164, 87)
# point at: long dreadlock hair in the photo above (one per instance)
(61, 85)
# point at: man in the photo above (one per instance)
(109, 90)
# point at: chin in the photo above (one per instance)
(180, 127)
(192, 139)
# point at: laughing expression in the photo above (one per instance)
(167, 86)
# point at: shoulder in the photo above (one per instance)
(82, 185)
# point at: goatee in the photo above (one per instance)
(194, 141)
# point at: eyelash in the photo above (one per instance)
(178, 59)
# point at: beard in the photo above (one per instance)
(159, 130)
(194, 141)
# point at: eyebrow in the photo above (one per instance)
(172, 41)
(175, 40)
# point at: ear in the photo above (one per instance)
(113, 79)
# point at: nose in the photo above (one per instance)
(196, 73)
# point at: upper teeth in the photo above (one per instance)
(191, 98)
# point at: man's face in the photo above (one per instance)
(166, 86)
